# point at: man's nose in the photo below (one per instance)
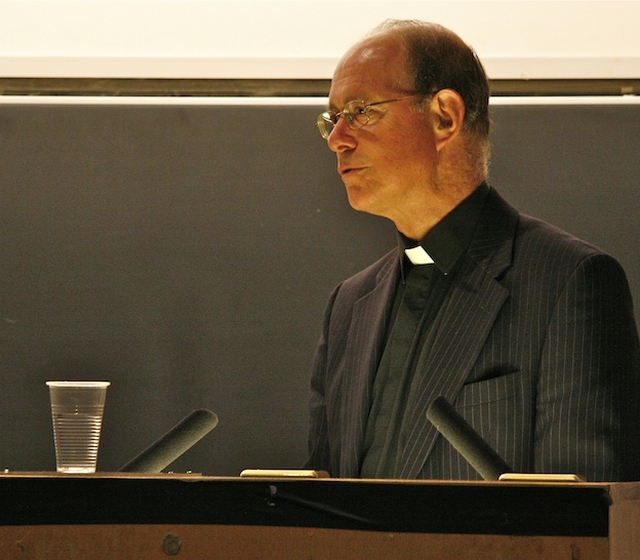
(341, 137)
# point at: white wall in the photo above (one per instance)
(304, 38)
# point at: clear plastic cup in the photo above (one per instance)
(77, 408)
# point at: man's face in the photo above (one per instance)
(387, 166)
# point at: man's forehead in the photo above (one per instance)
(386, 51)
(373, 66)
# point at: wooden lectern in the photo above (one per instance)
(118, 516)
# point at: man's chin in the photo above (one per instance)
(360, 201)
(356, 197)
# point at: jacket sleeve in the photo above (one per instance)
(588, 410)
(319, 454)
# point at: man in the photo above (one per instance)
(526, 330)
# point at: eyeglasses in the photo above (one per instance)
(355, 113)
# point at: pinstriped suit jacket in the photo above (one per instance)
(535, 345)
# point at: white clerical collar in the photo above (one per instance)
(418, 256)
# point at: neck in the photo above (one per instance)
(420, 218)
(458, 173)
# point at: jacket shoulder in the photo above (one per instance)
(368, 278)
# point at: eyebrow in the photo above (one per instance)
(333, 107)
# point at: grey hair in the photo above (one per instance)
(439, 59)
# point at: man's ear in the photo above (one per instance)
(448, 109)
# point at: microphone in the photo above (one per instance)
(466, 440)
(189, 431)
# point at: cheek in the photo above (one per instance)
(411, 155)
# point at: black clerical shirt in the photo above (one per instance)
(421, 291)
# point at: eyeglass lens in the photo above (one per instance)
(355, 113)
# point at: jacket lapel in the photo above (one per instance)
(463, 324)
(366, 334)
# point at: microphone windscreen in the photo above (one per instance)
(174, 443)
(466, 440)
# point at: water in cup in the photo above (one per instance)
(77, 409)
